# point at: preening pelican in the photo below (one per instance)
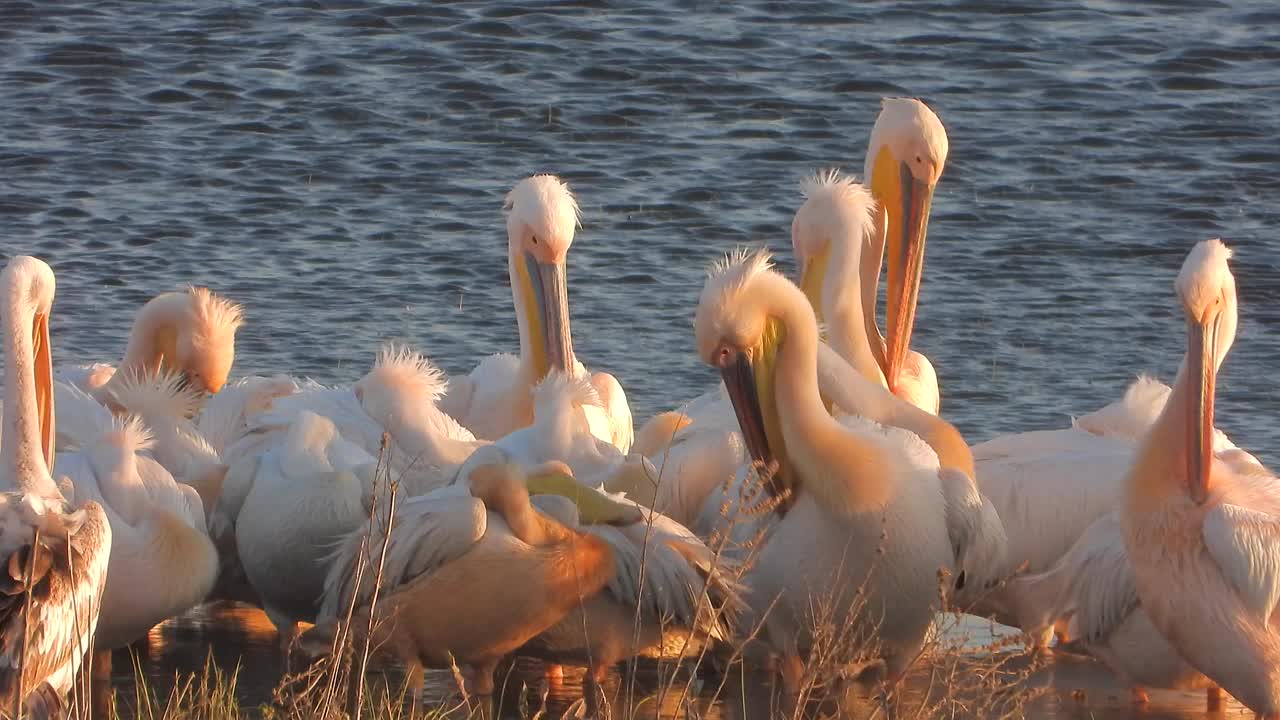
(666, 582)
(472, 572)
(1204, 535)
(57, 555)
(192, 334)
(306, 495)
(905, 158)
(860, 521)
(496, 398)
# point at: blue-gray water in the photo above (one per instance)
(339, 168)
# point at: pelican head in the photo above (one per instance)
(834, 220)
(1208, 294)
(541, 219)
(26, 300)
(904, 161)
(739, 328)
(206, 346)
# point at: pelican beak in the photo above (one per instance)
(44, 384)
(1202, 340)
(749, 379)
(908, 206)
(547, 302)
(812, 277)
(594, 507)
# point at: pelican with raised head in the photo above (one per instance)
(905, 158)
(496, 398)
(1204, 535)
(860, 519)
(55, 555)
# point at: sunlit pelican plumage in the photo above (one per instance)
(905, 158)
(496, 398)
(192, 334)
(473, 571)
(398, 397)
(65, 571)
(832, 233)
(306, 494)
(162, 560)
(1203, 535)
(666, 584)
(1050, 486)
(856, 500)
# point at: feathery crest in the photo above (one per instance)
(130, 432)
(833, 199)
(547, 198)
(1204, 273)
(216, 318)
(402, 367)
(160, 395)
(559, 387)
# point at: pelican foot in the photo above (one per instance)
(1139, 696)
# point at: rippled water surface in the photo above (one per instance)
(339, 168)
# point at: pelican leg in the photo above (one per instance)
(1139, 695)
(481, 688)
(792, 669)
(593, 692)
(1213, 699)
(100, 684)
(554, 672)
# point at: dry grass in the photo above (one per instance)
(949, 679)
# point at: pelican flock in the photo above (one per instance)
(811, 513)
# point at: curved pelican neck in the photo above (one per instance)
(22, 461)
(845, 311)
(153, 338)
(824, 452)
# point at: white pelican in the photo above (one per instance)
(1202, 534)
(162, 560)
(495, 399)
(306, 494)
(60, 555)
(666, 581)
(472, 572)
(1093, 585)
(398, 396)
(227, 415)
(905, 158)
(861, 521)
(192, 334)
(1049, 486)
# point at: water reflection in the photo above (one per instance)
(1061, 687)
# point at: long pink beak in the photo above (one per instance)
(1202, 342)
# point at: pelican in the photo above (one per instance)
(306, 494)
(1049, 486)
(227, 415)
(495, 399)
(398, 397)
(666, 582)
(56, 555)
(190, 333)
(472, 572)
(905, 158)
(1093, 585)
(860, 522)
(1201, 534)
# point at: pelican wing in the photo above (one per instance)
(1246, 546)
(227, 415)
(612, 420)
(81, 418)
(429, 531)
